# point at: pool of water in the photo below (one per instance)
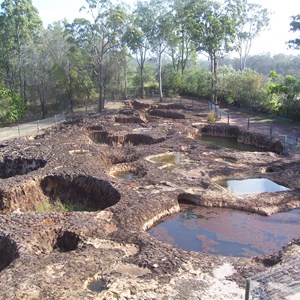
(127, 175)
(97, 286)
(230, 143)
(252, 186)
(171, 158)
(227, 232)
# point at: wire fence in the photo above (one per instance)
(30, 128)
(289, 139)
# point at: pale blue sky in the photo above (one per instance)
(270, 41)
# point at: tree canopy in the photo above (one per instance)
(152, 49)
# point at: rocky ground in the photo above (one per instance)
(98, 246)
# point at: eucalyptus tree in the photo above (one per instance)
(180, 45)
(100, 35)
(38, 66)
(213, 28)
(253, 19)
(137, 41)
(19, 24)
(295, 26)
(157, 24)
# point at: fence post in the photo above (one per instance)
(19, 130)
(55, 120)
(228, 119)
(38, 125)
(248, 287)
(248, 124)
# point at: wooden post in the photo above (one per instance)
(248, 124)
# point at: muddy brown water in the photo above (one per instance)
(227, 232)
(230, 143)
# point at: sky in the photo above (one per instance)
(272, 40)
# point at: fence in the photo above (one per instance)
(289, 139)
(30, 128)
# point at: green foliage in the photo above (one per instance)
(173, 80)
(12, 107)
(196, 82)
(295, 27)
(284, 95)
(211, 118)
(243, 89)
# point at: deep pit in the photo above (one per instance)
(220, 231)
(230, 143)
(166, 114)
(19, 166)
(80, 193)
(8, 251)
(103, 137)
(67, 241)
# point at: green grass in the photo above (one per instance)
(58, 206)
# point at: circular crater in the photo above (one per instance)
(19, 166)
(81, 193)
(8, 251)
(127, 172)
(97, 285)
(67, 241)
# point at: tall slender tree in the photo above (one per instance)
(19, 23)
(100, 35)
(213, 28)
(253, 19)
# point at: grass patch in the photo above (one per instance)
(58, 206)
(211, 118)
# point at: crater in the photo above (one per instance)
(67, 241)
(252, 186)
(127, 172)
(80, 193)
(233, 137)
(97, 285)
(229, 143)
(121, 140)
(19, 166)
(166, 114)
(129, 120)
(169, 160)
(228, 232)
(8, 251)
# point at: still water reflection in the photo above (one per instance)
(227, 232)
(253, 186)
(230, 143)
